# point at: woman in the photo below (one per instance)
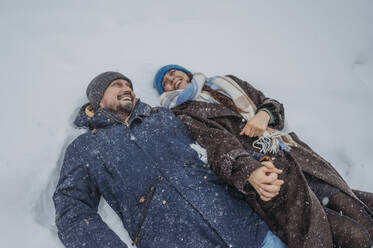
(239, 127)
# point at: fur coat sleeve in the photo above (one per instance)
(261, 101)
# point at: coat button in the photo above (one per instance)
(164, 202)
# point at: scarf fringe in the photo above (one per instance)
(273, 141)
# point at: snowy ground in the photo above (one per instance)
(314, 56)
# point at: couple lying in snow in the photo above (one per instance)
(260, 188)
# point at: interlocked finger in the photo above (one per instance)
(270, 188)
(266, 193)
(272, 177)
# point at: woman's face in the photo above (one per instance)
(175, 80)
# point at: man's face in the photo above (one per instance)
(175, 80)
(118, 97)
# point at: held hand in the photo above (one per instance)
(271, 167)
(256, 125)
(265, 181)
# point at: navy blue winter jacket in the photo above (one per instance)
(148, 173)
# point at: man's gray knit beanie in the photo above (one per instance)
(97, 87)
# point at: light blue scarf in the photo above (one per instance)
(193, 91)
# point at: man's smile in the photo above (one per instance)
(126, 96)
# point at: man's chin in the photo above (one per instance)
(125, 107)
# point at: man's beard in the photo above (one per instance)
(124, 110)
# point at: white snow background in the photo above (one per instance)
(316, 57)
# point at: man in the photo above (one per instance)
(140, 160)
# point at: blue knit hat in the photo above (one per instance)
(162, 71)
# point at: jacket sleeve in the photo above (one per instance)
(274, 108)
(226, 156)
(76, 201)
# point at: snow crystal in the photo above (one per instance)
(95, 152)
(325, 201)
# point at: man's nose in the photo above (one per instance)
(126, 87)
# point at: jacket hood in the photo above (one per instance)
(88, 118)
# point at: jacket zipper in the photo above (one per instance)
(125, 122)
(150, 192)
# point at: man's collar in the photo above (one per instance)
(141, 109)
(101, 118)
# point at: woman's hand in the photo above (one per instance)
(265, 181)
(256, 125)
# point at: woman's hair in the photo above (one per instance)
(190, 75)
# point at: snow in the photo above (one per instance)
(314, 56)
(202, 153)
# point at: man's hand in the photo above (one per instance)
(256, 125)
(265, 181)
